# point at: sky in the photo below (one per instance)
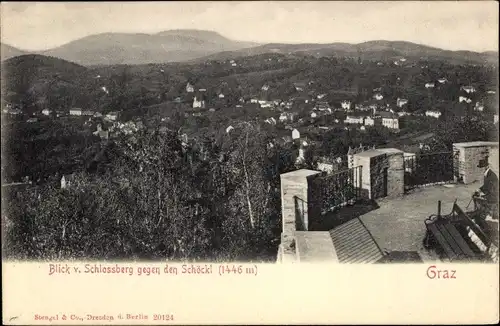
(451, 25)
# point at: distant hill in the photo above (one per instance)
(8, 51)
(37, 77)
(189, 45)
(123, 48)
(372, 50)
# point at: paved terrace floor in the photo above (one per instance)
(395, 224)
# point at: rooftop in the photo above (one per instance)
(299, 173)
(390, 150)
(476, 144)
(371, 153)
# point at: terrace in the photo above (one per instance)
(392, 224)
(374, 217)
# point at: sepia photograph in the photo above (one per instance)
(249, 132)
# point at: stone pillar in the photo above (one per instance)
(363, 160)
(293, 185)
(395, 172)
(473, 160)
(382, 172)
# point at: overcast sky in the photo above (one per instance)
(450, 25)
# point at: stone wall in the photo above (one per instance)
(378, 173)
(395, 172)
(294, 185)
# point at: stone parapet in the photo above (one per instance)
(471, 160)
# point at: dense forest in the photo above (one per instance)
(155, 198)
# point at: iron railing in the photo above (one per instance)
(330, 192)
(428, 168)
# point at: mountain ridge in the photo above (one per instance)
(192, 45)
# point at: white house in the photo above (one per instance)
(221, 95)
(401, 101)
(464, 99)
(429, 85)
(228, 129)
(320, 96)
(371, 121)
(105, 90)
(495, 118)
(345, 105)
(479, 107)
(271, 121)
(325, 167)
(378, 96)
(295, 134)
(286, 116)
(313, 115)
(112, 116)
(390, 120)
(468, 89)
(46, 112)
(66, 181)
(202, 90)
(433, 113)
(354, 120)
(299, 87)
(442, 80)
(491, 92)
(362, 128)
(75, 111)
(254, 100)
(189, 88)
(265, 87)
(198, 103)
